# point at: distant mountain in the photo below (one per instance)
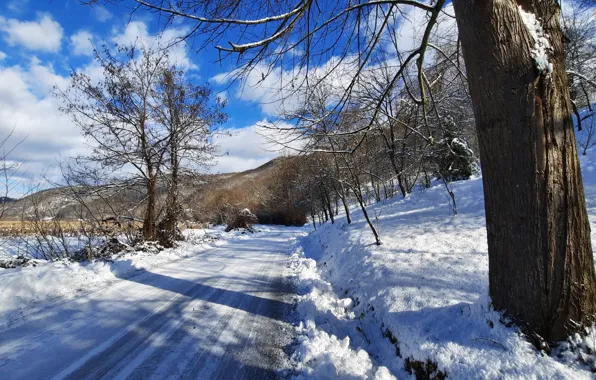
(200, 196)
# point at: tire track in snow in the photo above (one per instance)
(209, 315)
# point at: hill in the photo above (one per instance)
(206, 198)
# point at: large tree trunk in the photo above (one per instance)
(541, 271)
(149, 230)
(168, 227)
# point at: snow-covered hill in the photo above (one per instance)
(421, 299)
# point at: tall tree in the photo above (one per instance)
(114, 114)
(541, 270)
(189, 120)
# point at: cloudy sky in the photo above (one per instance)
(41, 41)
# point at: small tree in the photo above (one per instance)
(9, 170)
(455, 159)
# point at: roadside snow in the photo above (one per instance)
(323, 348)
(23, 288)
(421, 296)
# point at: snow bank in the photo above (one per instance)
(328, 357)
(323, 348)
(421, 296)
(23, 288)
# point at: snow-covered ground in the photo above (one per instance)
(23, 289)
(185, 313)
(370, 312)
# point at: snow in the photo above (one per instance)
(320, 354)
(218, 313)
(421, 296)
(332, 358)
(541, 43)
(33, 247)
(24, 288)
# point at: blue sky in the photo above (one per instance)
(42, 40)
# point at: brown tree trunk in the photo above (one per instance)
(168, 227)
(341, 191)
(149, 230)
(360, 199)
(400, 182)
(168, 233)
(329, 207)
(347, 209)
(341, 194)
(541, 271)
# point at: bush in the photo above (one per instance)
(244, 219)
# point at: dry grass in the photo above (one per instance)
(25, 227)
(68, 227)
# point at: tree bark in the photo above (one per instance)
(329, 207)
(360, 199)
(149, 230)
(541, 271)
(168, 233)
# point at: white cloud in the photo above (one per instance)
(81, 43)
(249, 147)
(17, 6)
(27, 106)
(223, 96)
(232, 164)
(101, 13)
(138, 32)
(45, 34)
(279, 91)
(413, 23)
(42, 79)
(271, 89)
(2, 55)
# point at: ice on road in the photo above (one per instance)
(219, 315)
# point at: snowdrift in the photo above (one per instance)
(418, 303)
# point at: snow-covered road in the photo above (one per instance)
(221, 314)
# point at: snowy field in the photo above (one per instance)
(24, 288)
(370, 312)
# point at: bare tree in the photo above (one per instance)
(9, 170)
(114, 114)
(189, 122)
(579, 31)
